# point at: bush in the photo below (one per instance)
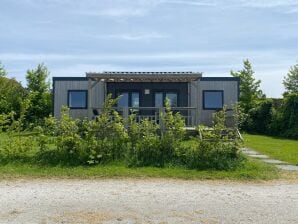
(260, 117)
(145, 147)
(290, 116)
(16, 148)
(150, 148)
(220, 148)
(211, 155)
(272, 117)
(110, 138)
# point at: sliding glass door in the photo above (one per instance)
(160, 97)
(129, 99)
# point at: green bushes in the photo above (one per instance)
(279, 118)
(217, 155)
(110, 138)
(260, 117)
(219, 148)
(150, 148)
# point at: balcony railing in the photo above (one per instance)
(153, 113)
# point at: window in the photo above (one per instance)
(129, 99)
(212, 99)
(160, 98)
(77, 99)
(172, 99)
(135, 99)
(123, 100)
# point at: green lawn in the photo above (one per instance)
(251, 170)
(277, 148)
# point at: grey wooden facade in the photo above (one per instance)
(189, 86)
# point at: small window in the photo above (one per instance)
(212, 99)
(77, 99)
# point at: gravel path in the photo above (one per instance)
(146, 201)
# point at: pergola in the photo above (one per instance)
(144, 76)
(95, 77)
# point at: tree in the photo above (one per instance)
(3, 72)
(11, 93)
(250, 91)
(291, 80)
(37, 79)
(39, 94)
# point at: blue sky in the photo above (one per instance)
(211, 36)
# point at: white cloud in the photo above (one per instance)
(133, 37)
(200, 55)
(192, 2)
(268, 3)
(115, 8)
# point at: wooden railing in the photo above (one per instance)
(153, 113)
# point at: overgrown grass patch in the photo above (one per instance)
(277, 148)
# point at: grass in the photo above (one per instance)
(277, 148)
(251, 170)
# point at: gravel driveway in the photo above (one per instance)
(146, 201)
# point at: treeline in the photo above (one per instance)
(277, 117)
(33, 102)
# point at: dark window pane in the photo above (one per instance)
(172, 98)
(213, 100)
(158, 100)
(77, 99)
(123, 101)
(135, 99)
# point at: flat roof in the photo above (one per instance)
(145, 76)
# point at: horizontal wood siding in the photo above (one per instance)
(61, 88)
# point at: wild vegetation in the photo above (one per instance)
(277, 117)
(109, 138)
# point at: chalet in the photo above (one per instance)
(143, 93)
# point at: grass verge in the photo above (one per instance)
(251, 170)
(277, 148)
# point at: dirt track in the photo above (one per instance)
(146, 201)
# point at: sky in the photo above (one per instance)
(72, 37)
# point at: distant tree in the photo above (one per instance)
(39, 94)
(291, 80)
(37, 79)
(250, 91)
(3, 72)
(11, 93)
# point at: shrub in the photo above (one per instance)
(220, 149)
(275, 117)
(105, 137)
(260, 117)
(290, 116)
(145, 147)
(150, 148)
(217, 155)
(16, 148)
